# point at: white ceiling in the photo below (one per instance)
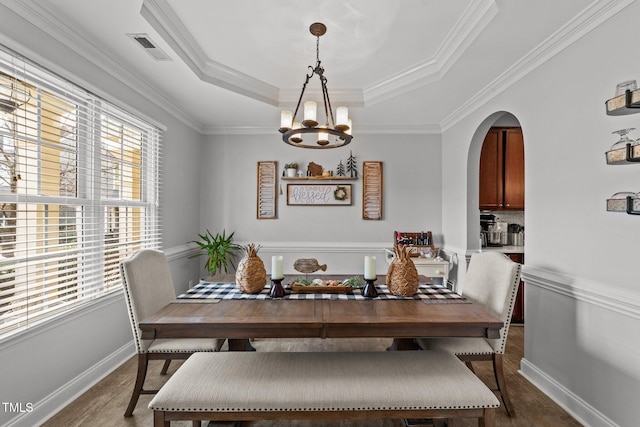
(414, 65)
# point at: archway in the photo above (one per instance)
(500, 118)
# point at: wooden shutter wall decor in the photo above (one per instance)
(267, 200)
(372, 190)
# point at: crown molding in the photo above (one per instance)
(44, 17)
(361, 130)
(473, 20)
(160, 15)
(590, 18)
(166, 22)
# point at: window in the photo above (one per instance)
(79, 191)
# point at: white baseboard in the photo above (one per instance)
(54, 402)
(565, 398)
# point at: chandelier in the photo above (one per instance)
(334, 133)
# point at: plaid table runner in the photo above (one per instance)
(428, 293)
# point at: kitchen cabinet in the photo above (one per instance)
(518, 309)
(502, 170)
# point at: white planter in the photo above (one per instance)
(291, 173)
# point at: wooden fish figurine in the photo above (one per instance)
(308, 265)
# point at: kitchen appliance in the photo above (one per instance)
(516, 235)
(497, 234)
(486, 221)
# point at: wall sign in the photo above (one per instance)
(319, 194)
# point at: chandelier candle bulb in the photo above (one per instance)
(342, 119)
(348, 131)
(310, 109)
(296, 137)
(286, 120)
(323, 138)
(276, 267)
(370, 268)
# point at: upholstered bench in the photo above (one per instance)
(245, 386)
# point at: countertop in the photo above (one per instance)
(505, 249)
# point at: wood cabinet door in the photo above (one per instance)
(513, 196)
(491, 172)
(518, 310)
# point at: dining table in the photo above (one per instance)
(207, 312)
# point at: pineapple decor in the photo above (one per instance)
(251, 276)
(402, 276)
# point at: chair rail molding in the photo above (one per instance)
(623, 301)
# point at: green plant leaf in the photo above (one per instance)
(219, 250)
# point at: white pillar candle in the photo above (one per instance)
(370, 267)
(276, 267)
(310, 111)
(286, 119)
(342, 116)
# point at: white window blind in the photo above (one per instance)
(79, 192)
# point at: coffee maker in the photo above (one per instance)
(487, 221)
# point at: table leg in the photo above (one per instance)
(401, 344)
(240, 345)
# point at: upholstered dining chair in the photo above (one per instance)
(147, 288)
(492, 281)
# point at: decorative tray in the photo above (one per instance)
(311, 289)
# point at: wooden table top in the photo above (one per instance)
(244, 319)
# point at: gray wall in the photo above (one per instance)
(51, 364)
(412, 192)
(582, 288)
(583, 304)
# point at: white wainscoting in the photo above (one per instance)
(581, 346)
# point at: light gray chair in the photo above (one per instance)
(148, 287)
(492, 281)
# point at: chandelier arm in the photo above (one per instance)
(304, 86)
(328, 111)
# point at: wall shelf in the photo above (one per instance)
(630, 205)
(622, 156)
(628, 103)
(320, 178)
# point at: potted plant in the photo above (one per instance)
(292, 169)
(219, 250)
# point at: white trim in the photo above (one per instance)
(160, 15)
(471, 23)
(572, 403)
(590, 18)
(623, 301)
(63, 396)
(323, 247)
(183, 251)
(45, 19)
(415, 129)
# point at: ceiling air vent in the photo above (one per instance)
(149, 46)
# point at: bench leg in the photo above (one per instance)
(159, 420)
(489, 419)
